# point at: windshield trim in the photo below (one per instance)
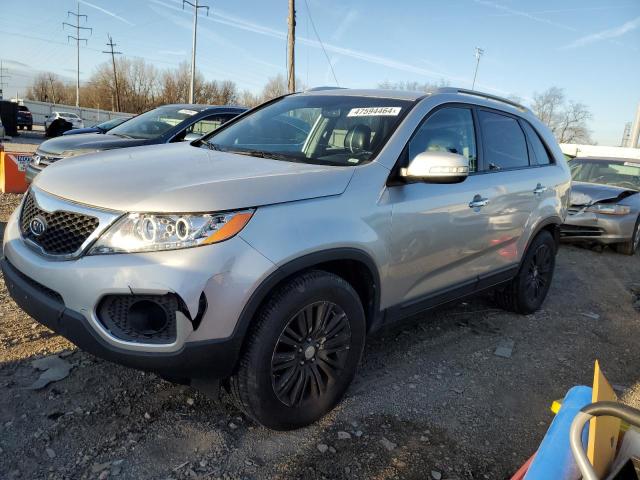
(410, 104)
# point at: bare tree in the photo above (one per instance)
(413, 86)
(566, 119)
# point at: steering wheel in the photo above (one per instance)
(153, 126)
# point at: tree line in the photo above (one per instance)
(142, 86)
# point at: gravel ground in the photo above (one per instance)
(431, 399)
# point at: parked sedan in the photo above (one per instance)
(605, 203)
(166, 124)
(72, 118)
(102, 127)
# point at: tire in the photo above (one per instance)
(630, 247)
(29, 127)
(284, 381)
(528, 290)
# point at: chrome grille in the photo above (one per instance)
(65, 232)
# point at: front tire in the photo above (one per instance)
(528, 290)
(630, 247)
(302, 353)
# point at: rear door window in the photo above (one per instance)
(504, 143)
(540, 154)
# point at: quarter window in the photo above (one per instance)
(504, 142)
(540, 154)
(447, 130)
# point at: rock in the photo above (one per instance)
(103, 475)
(99, 467)
(591, 315)
(424, 439)
(358, 433)
(332, 449)
(436, 475)
(190, 401)
(389, 445)
(233, 426)
(54, 369)
(50, 453)
(344, 435)
(504, 348)
(322, 448)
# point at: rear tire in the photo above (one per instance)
(302, 352)
(528, 290)
(630, 247)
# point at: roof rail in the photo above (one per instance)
(488, 96)
(319, 89)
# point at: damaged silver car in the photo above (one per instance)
(605, 203)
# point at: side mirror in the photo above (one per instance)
(437, 167)
(190, 137)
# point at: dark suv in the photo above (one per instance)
(24, 118)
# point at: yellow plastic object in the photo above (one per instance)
(603, 431)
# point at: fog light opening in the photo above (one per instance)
(147, 317)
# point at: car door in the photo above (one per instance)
(440, 233)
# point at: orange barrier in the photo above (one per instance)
(12, 171)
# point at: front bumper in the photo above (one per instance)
(30, 172)
(203, 359)
(226, 273)
(585, 226)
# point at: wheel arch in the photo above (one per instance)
(550, 224)
(354, 265)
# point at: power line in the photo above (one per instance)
(113, 62)
(321, 44)
(479, 53)
(193, 50)
(78, 39)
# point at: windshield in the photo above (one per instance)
(618, 173)
(154, 123)
(109, 124)
(330, 129)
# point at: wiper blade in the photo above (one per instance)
(263, 154)
(213, 146)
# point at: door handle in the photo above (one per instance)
(478, 202)
(539, 190)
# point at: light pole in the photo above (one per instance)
(479, 53)
(193, 49)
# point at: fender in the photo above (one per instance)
(556, 222)
(300, 264)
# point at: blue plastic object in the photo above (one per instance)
(554, 459)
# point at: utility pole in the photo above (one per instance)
(113, 62)
(193, 49)
(291, 46)
(479, 53)
(3, 75)
(78, 39)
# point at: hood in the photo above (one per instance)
(182, 178)
(589, 193)
(76, 131)
(97, 141)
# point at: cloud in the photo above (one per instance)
(520, 13)
(608, 34)
(111, 14)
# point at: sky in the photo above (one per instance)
(590, 48)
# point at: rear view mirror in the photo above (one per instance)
(437, 167)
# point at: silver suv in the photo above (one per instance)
(264, 253)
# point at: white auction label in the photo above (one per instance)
(374, 111)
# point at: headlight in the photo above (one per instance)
(609, 209)
(150, 232)
(75, 153)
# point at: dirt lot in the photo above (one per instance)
(431, 400)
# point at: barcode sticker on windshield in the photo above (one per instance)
(374, 111)
(187, 112)
(632, 164)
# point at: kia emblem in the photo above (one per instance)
(38, 226)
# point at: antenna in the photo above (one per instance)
(113, 62)
(193, 49)
(479, 53)
(78, 39)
